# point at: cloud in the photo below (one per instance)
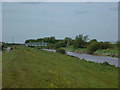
(81, 12)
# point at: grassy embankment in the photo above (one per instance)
(31, 68)
(102, 52)
(0, 70)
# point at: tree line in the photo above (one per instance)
(80, 41)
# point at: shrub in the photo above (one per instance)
(0, 47)
(31, 46)
(80, 41)
(60, 44)
(62, 51)
(106, 63)
(11, 48)
(105, 45)
(93, 40)
(92, 47)
(50, 46)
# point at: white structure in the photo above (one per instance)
(36, 44)
(8, 49)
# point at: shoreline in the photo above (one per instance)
(92, 58)
(96, 54)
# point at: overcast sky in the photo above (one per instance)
(36, 20)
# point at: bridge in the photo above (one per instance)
(36, 44)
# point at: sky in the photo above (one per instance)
(60, 0)
(0, 21)
(21, 21)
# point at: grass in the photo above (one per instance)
(31, 68)
(108, 52)
(103, 52)
(70, 48)
(0, 70)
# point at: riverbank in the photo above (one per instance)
(91, 58)
(102, 52)
(25, 67)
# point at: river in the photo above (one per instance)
(94, 58)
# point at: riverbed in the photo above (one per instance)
(93, 58)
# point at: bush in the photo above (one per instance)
(11, 48)
(92, 47)
(93, 40)
(62, 51)
(105, 45)
(0, 47)
(50, 46)
(106, 63)
(31, 46)
(80, 41)
(60, 44)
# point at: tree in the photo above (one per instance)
(92, 47)
(40, 40)
(47, 39)
(80, 41)
(30, 40)
(68, 40)
(118, 44)
(93, 40)
(60, 44)
(62, 51)
(105, 45)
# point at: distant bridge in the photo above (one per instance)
(36, 44)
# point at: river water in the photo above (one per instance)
(88, 57)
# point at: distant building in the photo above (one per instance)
(36, 44)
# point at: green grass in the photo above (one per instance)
(103, 52)
(0, 70)
(70, 48)
(108, 52)
(31, 68)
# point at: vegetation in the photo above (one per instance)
(68, 41)
(0, 46)
(92, 47)
(80, 45)
(113, 52)
(108, 52)
(80, 41)
(0, 70)
(62, 51)
(93, 40)
(46, 39)
(26, 67)
(50, 46)
(60, 44)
